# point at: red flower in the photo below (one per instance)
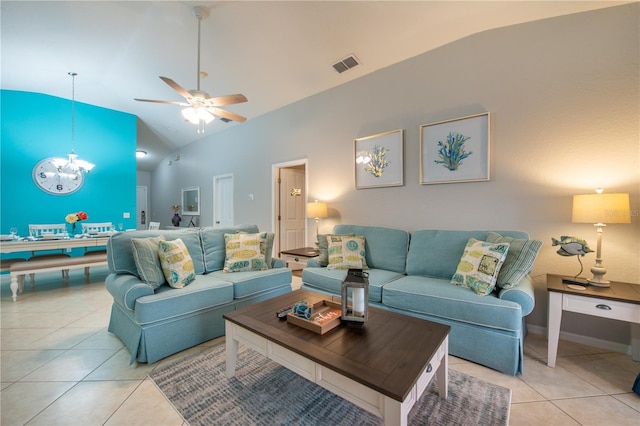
(82, 216)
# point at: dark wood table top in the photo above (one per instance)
(304, 251)
(623, 292)
(387, 355)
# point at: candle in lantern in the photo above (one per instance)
(358, 302)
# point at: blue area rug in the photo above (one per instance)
(265, 393)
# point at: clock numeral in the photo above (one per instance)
(59, 187)
(43, 175)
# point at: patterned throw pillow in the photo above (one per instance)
(346, 252)
(519, 262)
(323, 248)
(146, 257)
(245, 252)
(479, 266)
(176, 263)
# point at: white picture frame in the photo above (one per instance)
(378, 160)
(455, 150)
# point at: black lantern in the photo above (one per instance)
(355, 298)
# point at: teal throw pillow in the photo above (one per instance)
(147, 260)
(520, 259)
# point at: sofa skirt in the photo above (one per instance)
(152, 342)
(500, 350)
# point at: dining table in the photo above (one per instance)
(66, 243)
(22, 244)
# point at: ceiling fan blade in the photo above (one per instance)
(227, 100)
(226, 114)
(162, 102)
(175, 86)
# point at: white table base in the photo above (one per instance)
(393, 412)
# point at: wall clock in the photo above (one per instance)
(48, 178)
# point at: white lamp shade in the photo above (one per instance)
(316, 209)
(194, 115)
(601, 208)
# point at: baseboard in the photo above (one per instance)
(584, 340)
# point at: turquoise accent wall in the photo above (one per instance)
(37, 126)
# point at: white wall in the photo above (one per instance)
(563, 94)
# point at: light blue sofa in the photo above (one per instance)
(411, 274)
(155, 324)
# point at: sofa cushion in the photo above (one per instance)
(250, 283)
(120, 252)
(176, 263)
(245, 252)
(346, 252)
(213, 245)
(520, 259)
(331, 280)
(479, 266)
(205, 292)
(147, 259)
(437, 297)
(386, 248)
(436, 253)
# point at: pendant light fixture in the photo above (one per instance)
(72, 166)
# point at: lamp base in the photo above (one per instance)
(598, 276)
(599, 283)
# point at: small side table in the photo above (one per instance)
(621, 301)
(296, 259)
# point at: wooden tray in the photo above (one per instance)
(320, 308)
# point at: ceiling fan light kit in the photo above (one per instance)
(201, 108)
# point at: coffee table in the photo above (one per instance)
(383, 368)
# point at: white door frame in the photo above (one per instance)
(275, 172)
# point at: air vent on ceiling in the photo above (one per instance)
(346, 64)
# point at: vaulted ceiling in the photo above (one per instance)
(273, 52)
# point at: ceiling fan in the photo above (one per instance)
(201, 108)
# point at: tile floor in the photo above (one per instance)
(60, 366)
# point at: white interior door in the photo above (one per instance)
(142, 210)
(223, 200)
(292, 207)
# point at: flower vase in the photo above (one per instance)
(176, 219)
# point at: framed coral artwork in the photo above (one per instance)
(455, 150)
(378, 160)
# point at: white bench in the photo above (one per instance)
(20, 269)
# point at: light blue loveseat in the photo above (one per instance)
(155, 324)
(411, 274)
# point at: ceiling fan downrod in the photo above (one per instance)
(197, 12)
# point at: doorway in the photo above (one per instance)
(142, 209)
(289, 205)
(223, 201)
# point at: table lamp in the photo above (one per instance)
(600, 209)
(316, 210)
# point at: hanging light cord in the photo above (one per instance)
(73, 110)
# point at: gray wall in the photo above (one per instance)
(563, 96)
